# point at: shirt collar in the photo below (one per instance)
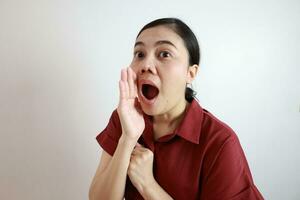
(190, 127)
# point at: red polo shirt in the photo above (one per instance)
(202, 159)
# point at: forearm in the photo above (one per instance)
(155, 192)
(110, 184)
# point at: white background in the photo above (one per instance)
(59, 69)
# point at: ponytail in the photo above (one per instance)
(190, 94)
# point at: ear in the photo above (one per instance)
(191, 73)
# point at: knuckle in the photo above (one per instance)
(149, 152)
(132, 166)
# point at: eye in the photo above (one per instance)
(164, 54)
(139, 54)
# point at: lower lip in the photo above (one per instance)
(147, 101)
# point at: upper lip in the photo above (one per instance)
(146, 81)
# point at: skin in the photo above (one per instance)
(165, 64)
(159, 55)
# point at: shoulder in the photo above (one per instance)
(223, 156)
(216, 138)
(216, 131)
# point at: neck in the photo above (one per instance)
(172, 117)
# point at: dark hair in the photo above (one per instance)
(189, 39)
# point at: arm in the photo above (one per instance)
(110, 179)
(154, 191)
(109, 183)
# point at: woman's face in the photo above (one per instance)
(161, 64)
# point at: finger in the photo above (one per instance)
(134, 73)
(137, 151)
(138, 106)
(139, 148)
(127, 90)
(125, 84)
(131, 83)
(131, 156)
(138, 145)
(123, 75)
(121, 90)
(135, 83)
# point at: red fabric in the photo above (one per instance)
(202, 159)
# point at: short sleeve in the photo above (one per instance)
(229, 176)
(109, 137)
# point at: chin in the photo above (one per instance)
(151, 111)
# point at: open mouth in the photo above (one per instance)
(149, 91)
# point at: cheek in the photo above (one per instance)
(175, 78)
(134, 67)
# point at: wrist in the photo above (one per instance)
(154, 191)
(148, 187)
(128, 140)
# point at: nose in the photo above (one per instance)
(147, 65)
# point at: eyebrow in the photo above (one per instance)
(160, 42)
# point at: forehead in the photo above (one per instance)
(160, 33)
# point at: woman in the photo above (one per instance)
(160, 143)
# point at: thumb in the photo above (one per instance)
(138, 145)
(137, 105)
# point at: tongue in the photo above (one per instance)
(149, 91)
